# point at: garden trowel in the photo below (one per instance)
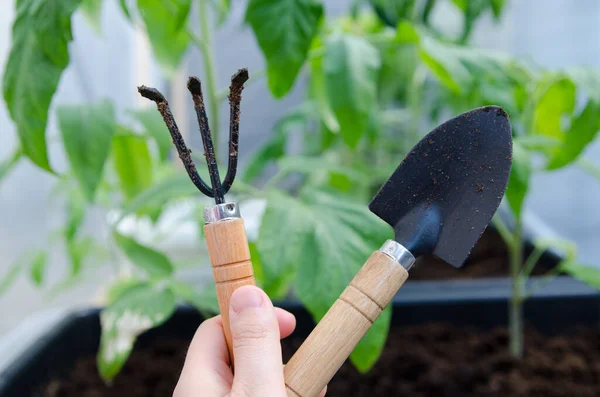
(439, 201)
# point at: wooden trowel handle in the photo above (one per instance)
(347, 321)
(230, 259)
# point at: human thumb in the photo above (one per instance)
(258, 369)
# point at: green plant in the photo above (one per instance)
(372, 73)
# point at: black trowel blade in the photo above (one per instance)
(442, 196)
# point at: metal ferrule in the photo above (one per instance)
(397, 252)
(221, 212)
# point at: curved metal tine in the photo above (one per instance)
(195, 88)
(184, 153)
(235, 97)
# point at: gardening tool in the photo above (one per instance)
(439, 201)
(224, 228)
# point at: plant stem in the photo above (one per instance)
(210, 71)
(516, 302)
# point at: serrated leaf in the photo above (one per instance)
(555, 99)
(165, 22)
(351, 66)
(204, 300)
(583, 131)
(338, 236)
(284, 30)
(39, 54)
(7, 165)
(92, 10)
(87, 132)
(38, 268)
(586, 273)
(518, 181)
(155, 263)
(136, 311)
(155, 127)
(133, 164)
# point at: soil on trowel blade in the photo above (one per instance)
(420, 361)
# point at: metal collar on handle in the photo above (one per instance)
(221, 212)
(397, 252)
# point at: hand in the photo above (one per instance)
(256, 328)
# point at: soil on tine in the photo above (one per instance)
(421, 361)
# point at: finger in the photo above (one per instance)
(256, 347)
(206, 365)
(287, 322)
(323, 392)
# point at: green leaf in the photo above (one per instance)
(39, 53)
(133, 164)
(256, 264)
(586, 273)
(136, 311)
(155, 127)
(160, 193)
(223, 8)
(75, 213)
(87, 132)
(92, 10)
(587, 79)
(366, 353)
(497, 6)
(317, 89)
(125, 9)
(280, 261)
(589, 167)
(7, 165)
(204, 300)
(38, 268)
(555, 98)
(77, 250)
(274, 148)
(351, 66)
(518, 181)
(406, 33)
(583, 131)
(537, 142)
(284, 30)
(329, 241)
(155, 263)
(166, 27)
(9, 277)
(121, 287)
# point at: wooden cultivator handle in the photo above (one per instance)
(229, 257)
(347, 321)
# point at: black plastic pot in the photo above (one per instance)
(563, 304)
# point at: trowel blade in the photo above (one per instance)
(442, 196)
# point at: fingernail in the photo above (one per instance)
(245, 298)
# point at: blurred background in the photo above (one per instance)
(109, 60)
